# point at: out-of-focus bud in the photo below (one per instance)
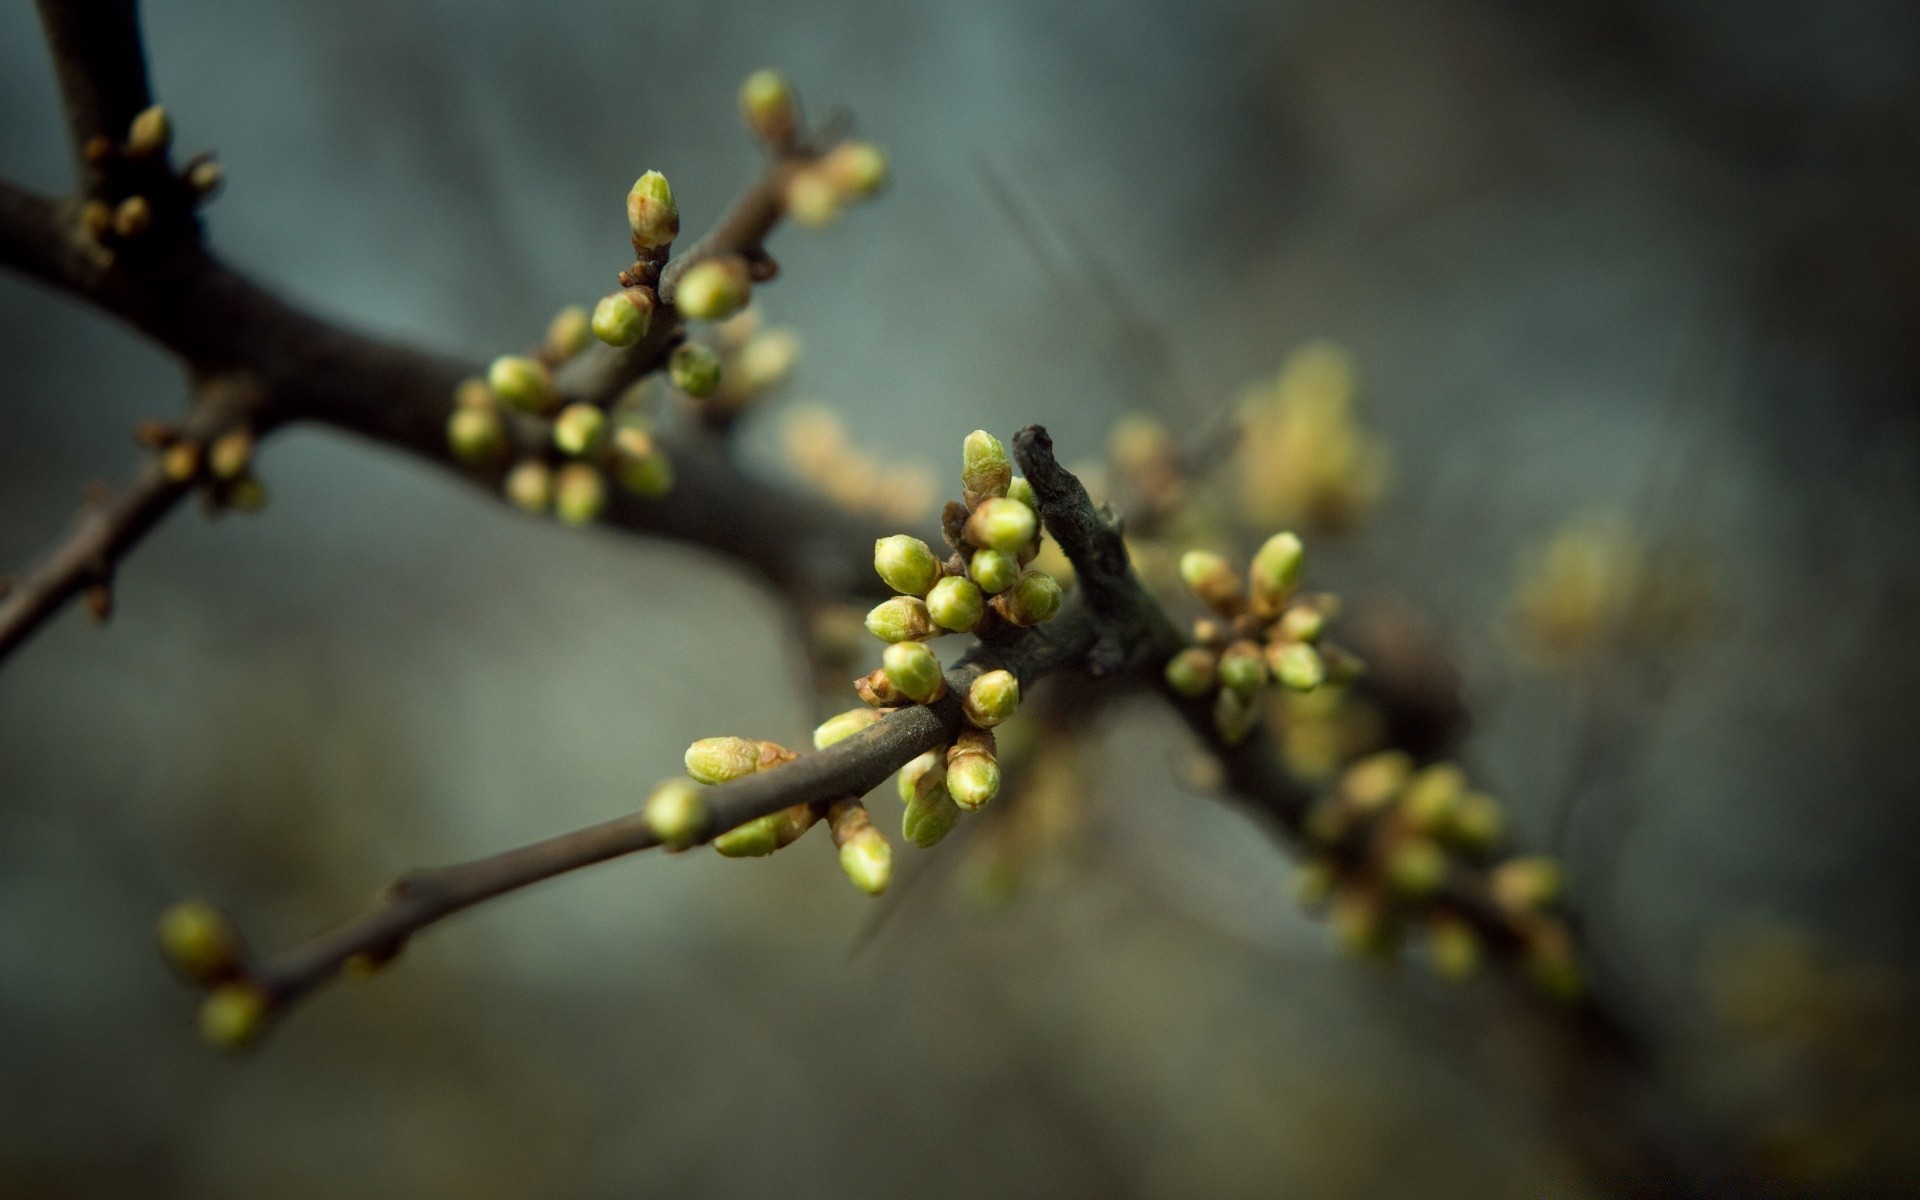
(530, 486)
(1526, 885)
(955, 603)
(864, 854)
(857, 169)
(766, 360)
(233, 1015)
(1370, 784)
(1193, 671)
(906, 564)
(1455, 948)
(1001, 524)
(568, 333)
(842, 726)
(676, 814)
(231, 453)
(1552, 962)
(1234, 715)
(713, 289)
(205, 178)
(1276, 572)
(641, 467)
(623, 318)
(1213, 580)
(1416, 868)
(1476, 822)
(991, 698)
(1242, 668)
(133, 217)
(579, 428)
(811, 198)
(1297, 665)
(651, 213)
(181, 461)
(579, 493)
(929, 816)
(1431, 795)
(722, 759)
(246, 495)
(149, 133)
(901, 619)
(1033, 598)
(200, 942)
(476, 435)
(973, 769)
(915, 671)
(757, 837)
(768, 106)
(994, 570)
(695, 369)
(1303, 623)
(985, 470)
(522, 383)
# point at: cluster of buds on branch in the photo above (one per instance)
(137, 198)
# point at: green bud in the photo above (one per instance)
(568, 332)
(622, 318)
(757, 837)
(843, 726)
(1476, 822)
(857, 169)
(530, 486)
(579, 428)
(1373, 782)
(676, 814)
(1019, 489)
(921, 774)
(1033, 598)
(994, 570)
(1276, 571)
(713, 289)
(149, 133)
(955, 603)
(1526, 885)
(651, 213)
(233, 1015)
(768, 105)
(1430, 797)
(642, 468)
(906, 564)
(929, 816)
(915, 671)
(864, 855)
(579, 493)
(1297, 665)
(694, 369)
(992, 698)
(722, 759)
(1212, 579)
(973, 772)
(1303, 623)
(200, 942)
(901, 619)
(1242, 668)
(812, 198)
(521, 383)
(985, 470)
(1416, 868)
(1455, 948)
(476, 435)
(1234, 715)
(1193, 671)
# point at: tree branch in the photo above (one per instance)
(102, 71)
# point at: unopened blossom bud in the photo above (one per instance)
(842, 726)
(921, 774)
(695, 369)
(579, 493)
(1476, 822)
(233, 1015)
(1212, 579)
(200, 942)
(1297, 665)
(181, 461)
(769, 108)
(722, 759)
(1193, 671)
(929, 816)
(651, 213)
(1243, 668)
(1526, 885)
(579, 428)
(1375, 780)
(149, 133)
(812, 198)
(906, 564)
(994, 570)
(878, 691)
(1303, 623)
(568, 332)
(1276, 571)
(1002, 524)
(1019, 489)
(1430, 796)
(522, 383)
(622, 318)
(1234, 715)
(985, 470)
(133, 217)
(753, 839)
(857, 169)
(476, 435)
(530, 486)
(915, 671)
(901, 619)
(766, 360)
(640, 466)
(713, 289)
(864, 854)
(1033, 598)
(973, 770)
(473, 393)
(991, 698)
(1343, 665)
(205, 178)
(956, 603)
(1454, 946)
(676, 814)
(230, 453)
(1416, 868)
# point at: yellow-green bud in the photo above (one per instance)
(133, 217)
(1416, 868)
(843, 726)
(921, 774)
(901, 619)
(642, 468)
(812, 198)
(476, 435)
(986, 471)
(1429, 799)
(149, 133)
(1212, 579)
(522, 383)
(991, 698)
(994, 570)
(1033, 598)
(568, 332)
(1193, 671)
(915, 671)
(1303, 623)
(955, 603)
(755, 838)
(713, 289)
(1476, 822)
(579, 428)
(857, 169)
(694, 369)
(1297, 665)
(205, 177)
(906, 564)
(1455, 948)
(1276, 571)
(929, 817)
(768, 105)
(579, 493)
(1525, 885)
(1019, 489)
(622, 318)
(766, 359)
(651, 213)
(864, 855)
(230, 453)
(973, 773)
(200, 942)
(722, 759)
(1242, 668)
(676, 814)
(1234, 715)
(1376, 779)
(233, 1015)
(530, 486)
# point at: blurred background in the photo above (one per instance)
(1642, 267)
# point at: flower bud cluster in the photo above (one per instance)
(817, 449)
(222, 468)
(137, 189)
(204, 948)
(1302, 457)
(820, 189)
